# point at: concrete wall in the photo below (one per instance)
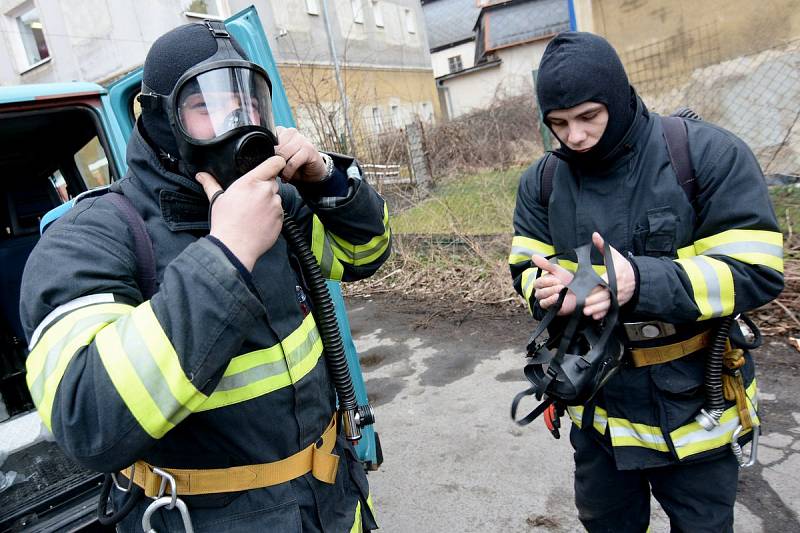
(691, 32)
(439, 58)
(477, 90)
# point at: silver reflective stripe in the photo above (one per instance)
(521, 250)
(52, 357)
(713, 290)
(531, 281)
(620, 431)
(749, 247)
(297, 355)
(251, 375)
(353, 255)
(149, 373)
(701, 434)
(327, 256)
(61, 310)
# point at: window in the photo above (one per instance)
(31, 33)
(358, 12)
(93, 164)
(376, 120)
(454, 63)
(212, 9)
(396, 122)
(312, 7)
(377, 10)
(411, 24)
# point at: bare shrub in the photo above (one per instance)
(507, 133)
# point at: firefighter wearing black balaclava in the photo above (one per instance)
(216, 382)
(679, 267)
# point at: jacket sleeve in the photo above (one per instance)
(531, 236)
(111, 373)
(735, 262)
(350, 235)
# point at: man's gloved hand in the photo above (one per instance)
(549, 285)
(248, 216)
(303, 160)
(598, 303)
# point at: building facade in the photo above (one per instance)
(490, 50)
(381, 46)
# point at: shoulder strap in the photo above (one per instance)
(145, 257)
(678, 147)
(546, 184)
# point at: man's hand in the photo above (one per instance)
(550, 284)
(303, 161)
(598, 303)
(248, 216)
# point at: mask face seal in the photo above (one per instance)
(570, 366)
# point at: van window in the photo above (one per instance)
(93, 164)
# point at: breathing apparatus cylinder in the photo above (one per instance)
(714, 406)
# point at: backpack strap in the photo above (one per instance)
(143, 245)
(546, 183)
(677, 138)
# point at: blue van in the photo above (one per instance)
(57, 141)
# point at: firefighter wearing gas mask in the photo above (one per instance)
(684, 255)
(209, 398)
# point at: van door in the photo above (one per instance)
(246, 28)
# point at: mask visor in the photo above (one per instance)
(215, 102)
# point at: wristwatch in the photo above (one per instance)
(328, 160)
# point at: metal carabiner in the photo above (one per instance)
(130, 480)
(166, 477)
(169, 503)
(737, 449)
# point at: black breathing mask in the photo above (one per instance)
(220, 112)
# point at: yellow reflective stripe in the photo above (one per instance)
(692, 438)
(522, 248)
(164, 355)
(362, 254)
(323, 252)
(264, 371)
(599, 423)
(573, 266)
(528, 282)
(712, 285)
(302, 349)
(356, 528)
(754, 247)
(627, 433)
(127, 383)
(62, 328)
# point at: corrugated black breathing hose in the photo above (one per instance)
(714, 404)
(324, 315)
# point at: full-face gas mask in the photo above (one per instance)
(220, 112)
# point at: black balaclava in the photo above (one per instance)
(169, 58)
(580, 67)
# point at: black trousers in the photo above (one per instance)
(697, 497)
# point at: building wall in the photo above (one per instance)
(439, 58)
(689, 31)
(514, 76)
(378, 99)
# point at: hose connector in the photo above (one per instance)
(709, 419)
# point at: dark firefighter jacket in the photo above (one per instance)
(208, 373)
(695, 264)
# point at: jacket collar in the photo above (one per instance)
(179, 200)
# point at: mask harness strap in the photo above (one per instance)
(545, 382)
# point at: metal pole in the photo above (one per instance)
(339, 84)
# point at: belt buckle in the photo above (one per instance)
(649, 330)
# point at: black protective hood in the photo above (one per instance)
(580, 67)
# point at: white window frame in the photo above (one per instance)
(223, 8)
(377, 120)
(377, 13)
(312, 7)
(17, 46)
(455, 59)
(358, 11)
(411, 22)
